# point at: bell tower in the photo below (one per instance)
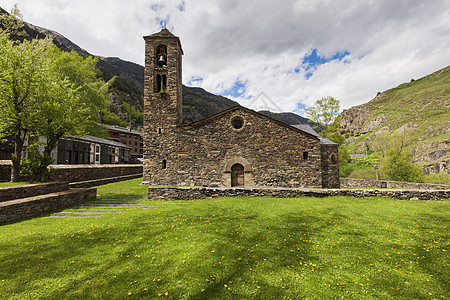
(162, 107)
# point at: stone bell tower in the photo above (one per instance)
(162, 107)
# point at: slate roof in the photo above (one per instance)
(238, 107)
(308, 129)
(124, 130)
(94, 139)
(165, 33)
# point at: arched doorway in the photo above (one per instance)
(237, 175)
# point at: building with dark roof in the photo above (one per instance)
(90, 150)
(236, 147)
(129, 137)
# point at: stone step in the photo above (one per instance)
(30, 207)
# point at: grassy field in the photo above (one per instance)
(125, 247)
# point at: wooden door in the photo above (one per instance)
(237, 175)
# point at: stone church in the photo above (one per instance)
(237, 147)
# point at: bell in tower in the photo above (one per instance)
(162, 58)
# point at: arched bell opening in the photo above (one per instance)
(161, 83)
(161, 56)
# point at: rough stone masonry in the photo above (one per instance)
(238, 147)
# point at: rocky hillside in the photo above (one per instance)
(419, 109)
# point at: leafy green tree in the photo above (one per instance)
(47, 92)
(22, 72)
(399, 167)
(15, 12)
(13, 24)
(70, 100)
(324, 112)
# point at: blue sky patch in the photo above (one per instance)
(182, 6)
(163, 22)
(237, 90)
(300, 110)
(195, 81)
(311, 61)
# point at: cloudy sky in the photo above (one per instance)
(283, 53)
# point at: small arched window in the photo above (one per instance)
(164, 164)
(305, 155)
(161, 83)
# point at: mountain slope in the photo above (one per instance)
(420, 109)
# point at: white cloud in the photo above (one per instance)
(262, 42)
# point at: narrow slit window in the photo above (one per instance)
(164, 164)
(159, 131)
(305, 155)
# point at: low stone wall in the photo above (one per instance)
(8, 193)
(95, 182)
(77, 173)
(365, 183)
(19, 209)
(193, 193)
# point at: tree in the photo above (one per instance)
(324, 112)
(69, 101)
(399, 167)
(46, 92)
(22, 69)
(15, 12)
(13, 24)
(383, 141)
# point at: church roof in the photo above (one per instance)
(304, 128)
(307, 128)
(165, 33)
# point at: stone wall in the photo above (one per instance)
(95, 182)
(330, 166)
(40, 205)
(272, 153)
(77, 173)
(365, 183)
(5, 170)
(8, 193)
(193, 193)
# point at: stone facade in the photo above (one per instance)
(237, 147)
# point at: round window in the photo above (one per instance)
(237, 123)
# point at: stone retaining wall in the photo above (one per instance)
(19, 209)
(192, 193)
(8, 193)
(77, 173)
(365, 183)
(89, 183)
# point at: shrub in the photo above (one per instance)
(442, 178)
(398, 167)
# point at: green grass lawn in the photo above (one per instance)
(229, 248)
